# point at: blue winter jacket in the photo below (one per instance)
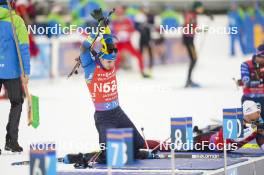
(9, 62)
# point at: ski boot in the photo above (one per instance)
(191, 84)
(13, 146)
(145, 75)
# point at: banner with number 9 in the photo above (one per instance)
(230, 124)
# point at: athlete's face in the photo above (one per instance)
(108, 64)
(253, 117)
(200, 10)
(260, 60)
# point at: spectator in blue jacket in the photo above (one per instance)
(10, 72)
(249, 22)
(236, 20)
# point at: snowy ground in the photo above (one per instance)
(67, 111)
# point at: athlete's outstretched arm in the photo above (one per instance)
(88, 63)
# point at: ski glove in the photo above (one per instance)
(97, 14)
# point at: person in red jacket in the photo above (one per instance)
(252, 78)
(253, 129)
(123, 28)
(211, 138)
(26, 10)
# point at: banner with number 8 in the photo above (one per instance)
(181, 133)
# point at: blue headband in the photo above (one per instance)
(111, 57)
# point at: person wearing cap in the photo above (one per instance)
(252, 127)
(190, 19)
(100, 76)
(252, 76)
(10, 72)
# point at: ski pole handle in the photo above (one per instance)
(76, 66)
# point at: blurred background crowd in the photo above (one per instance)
(136, 25)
